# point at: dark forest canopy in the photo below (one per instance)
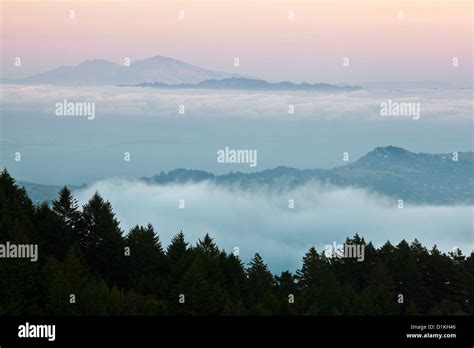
(88, 265)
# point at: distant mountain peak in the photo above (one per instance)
(393, 171)
(158, 58)
(383, 155)
(155, 61)
(389, 150)
(95, 61)
(164, 72)
(156, 69)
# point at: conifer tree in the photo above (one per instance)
(16, 211)
(52, 235)
(287, 293)
(195, 285)
(101, 241)
(66, 208)
(178, 259)
(311, 273)
(208, 246)
(147, 262)
(260, 278)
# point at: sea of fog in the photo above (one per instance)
(146, 123)
(261, 220)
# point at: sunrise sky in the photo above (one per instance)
(311, 47)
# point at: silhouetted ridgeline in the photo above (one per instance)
(418, 178)
(86, 265)
(240, 83)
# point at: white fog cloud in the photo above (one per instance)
(149, 102)
(259, 220)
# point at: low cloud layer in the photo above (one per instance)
(259, 220)
(149, 102)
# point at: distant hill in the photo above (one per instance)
(39, 193)
(392, 171)
(417, 178)
(102, 72)
(254, 84)
(161, 72)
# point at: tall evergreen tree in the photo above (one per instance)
(147, 263)
(287, 293)
(53, 237)
(178, 258)
(260, 278)
(208, 246)
(18, 277)
(66, 208)
(16, 211)
(101, 241)
(311, 273)
(236, 283)
(197, 290)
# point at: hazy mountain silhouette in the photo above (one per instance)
(102, 72)
(255, 84)
(418, 178)
(161, 72)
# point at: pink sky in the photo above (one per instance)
(311, 48)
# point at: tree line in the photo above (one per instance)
(88, 265)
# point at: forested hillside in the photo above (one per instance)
(88, 265)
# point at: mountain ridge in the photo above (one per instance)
(418, 178)
(241, 83)
(161, 72)
(102, 72)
